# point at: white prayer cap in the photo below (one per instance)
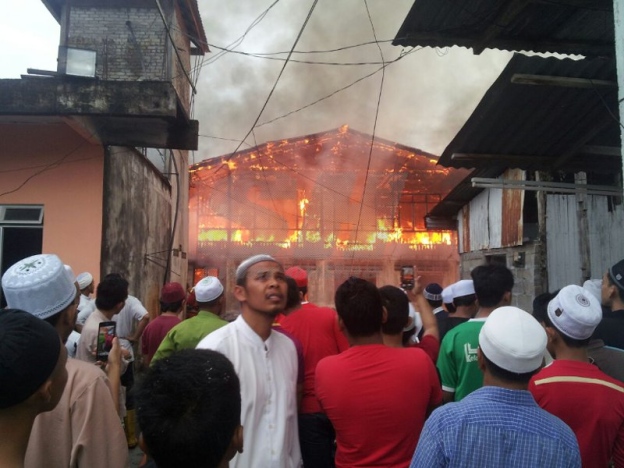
(463, 288)
(447, 294)
(208, 289)
(40, 285)
(575, 312)
(241, 271)
(594, 286)
(84, 279)
(513, 340)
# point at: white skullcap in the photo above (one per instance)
(39, 285)
(208, 289)
(84, 279)
(513, 340)
(594, 287)
(463, 288)
(575, 312)
(416, 320)
(447, 294)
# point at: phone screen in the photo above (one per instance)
(106, 333)
(407, 277)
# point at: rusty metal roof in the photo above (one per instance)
(582, 27)
(554, 128)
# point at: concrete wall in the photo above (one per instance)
(524, 263)
(43, 161)
(136, 223)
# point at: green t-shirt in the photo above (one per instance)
(188, 333)
(457, 361)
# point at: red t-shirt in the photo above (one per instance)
(317, 330)
(590, 402)
(377, 399)
(155, 332)
(430, 345)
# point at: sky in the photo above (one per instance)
(425, 99)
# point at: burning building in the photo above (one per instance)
(337, 203)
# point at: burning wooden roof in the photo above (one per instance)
(318, 196)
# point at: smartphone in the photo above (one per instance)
(106, 332)
(407, 277)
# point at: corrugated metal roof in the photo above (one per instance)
(563, 26)
(539, 127)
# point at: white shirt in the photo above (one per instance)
(72, 344)
(85, 308)
(268, 376)
(133, 310)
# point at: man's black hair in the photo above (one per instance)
(293, 299)
(619, 290)
(188, 408)
(466, 300)
(540, 305)
(570, 342)
(491, 282)
(435, 304)
(450, 307)
(360, 307)
(508, 376)
(171, 306)
(112, 290)
(397, 305)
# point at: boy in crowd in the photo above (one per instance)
(572, 387)
(189, 409)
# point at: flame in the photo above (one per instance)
(302, 206)
(230, 164)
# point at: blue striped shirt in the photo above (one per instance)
(494, 427)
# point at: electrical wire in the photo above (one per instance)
(339, 90)
(173, 44)
(370, 154)
(241, 38)
(266, 102)
(309, 62)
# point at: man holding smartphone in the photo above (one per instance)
(111, 296)
(84, 430)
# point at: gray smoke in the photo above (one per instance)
(427, 96)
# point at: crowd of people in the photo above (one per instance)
(427, 377)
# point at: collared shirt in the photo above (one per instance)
(188, 334)
(268, 377)
(495, 426)
(590, 402)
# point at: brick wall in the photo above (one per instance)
(131, 43)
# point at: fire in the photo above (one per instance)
(302, 205)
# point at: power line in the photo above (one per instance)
(340, 89)
(370, 154)
(277, 80)
(173, 44)
(309, 62)
(220, 138)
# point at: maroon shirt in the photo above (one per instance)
(155, 332)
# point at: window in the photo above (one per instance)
(21, 235)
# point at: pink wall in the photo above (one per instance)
(70, 187)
